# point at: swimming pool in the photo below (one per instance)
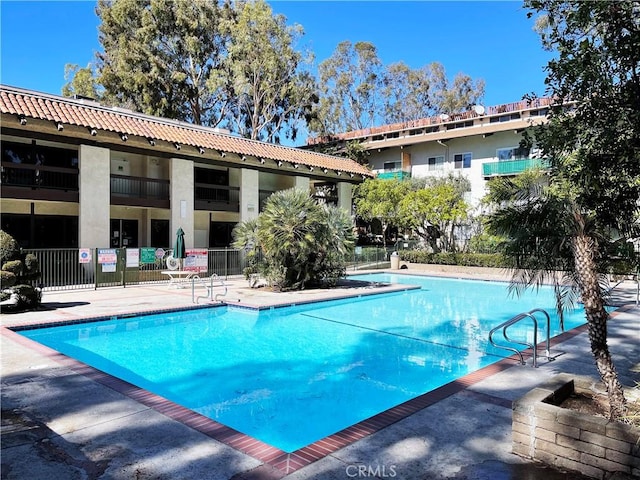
(290, 376)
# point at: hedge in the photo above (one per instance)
(495, 260)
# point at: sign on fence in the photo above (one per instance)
(196, 260)
(148, 255)
(133, 257)
(84, 255)
(107, 257)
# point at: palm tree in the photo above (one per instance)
(301, 242)
(550, 239)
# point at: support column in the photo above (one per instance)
(95, 197)
(182, 203)
(249, 194)
(345, 196)
(302, 183)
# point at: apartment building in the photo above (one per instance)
(478, 144)
(79, 174)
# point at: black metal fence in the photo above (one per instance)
(73, 268)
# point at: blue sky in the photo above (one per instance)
(489, 40)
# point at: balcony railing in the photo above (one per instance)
(217, 197)
(39, 182)
(512, 167)
(139, 191)
(399, 174)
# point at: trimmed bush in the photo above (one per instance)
(18, 269)
(7, 279)
(9, 248)
(494, 260)
(28, 296)
(13, 266)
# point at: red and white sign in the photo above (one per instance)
(196, 260)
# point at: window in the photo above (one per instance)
(33, 154)
(435, 163)
(462, 160)
(391, 166)
(220, 234)
(211, 176)
(512, 153)
(41, 231)
(505, 118)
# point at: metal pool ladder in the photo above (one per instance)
(209, 286)
(531, 314)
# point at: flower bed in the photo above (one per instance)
(570, 440)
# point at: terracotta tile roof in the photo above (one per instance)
(70, 111)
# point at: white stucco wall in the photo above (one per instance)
(483, 149)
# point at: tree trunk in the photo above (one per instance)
(584, 251)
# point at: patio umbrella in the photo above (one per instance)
(178, 250)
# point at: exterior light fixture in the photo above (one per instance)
(223, 154)
(201, 150)
(243, 158)
(23, 120)
(124, 137)
(311, 169)
(325, 170)
(279, 163)
(262, 161)
(338, 172)
(60, 127)
(152, 142)
(351, 175)
(177, 145)
(93, 132)
(296, 165)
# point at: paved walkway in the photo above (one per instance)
(59, 423)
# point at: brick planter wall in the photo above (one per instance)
(570, 440)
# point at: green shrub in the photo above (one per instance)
(9, 248)
(494, 260)
(485, 243)
(16, 271)
(623, 266)
(32, 267)
(295, 242)
(7, 279)
(13, 266)
(28, 297)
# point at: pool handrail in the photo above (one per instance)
(533, 346)
(201, 281)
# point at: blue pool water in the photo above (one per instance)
(290, 376)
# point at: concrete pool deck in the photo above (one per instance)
(58, 422)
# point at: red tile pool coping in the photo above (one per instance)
(283, 463)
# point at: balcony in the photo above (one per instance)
(512, 167)
(139, 191)
(217, 197)
(39, 182)
(398, 174)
